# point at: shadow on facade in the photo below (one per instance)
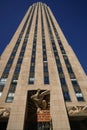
(4, 116)
(78, 123)
(3, 123)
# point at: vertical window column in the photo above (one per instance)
(6, 71)
(74, 82)
(58, 63)
(33, 57)
(45, 62)
(15, 77)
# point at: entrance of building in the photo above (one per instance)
(78, 123)
(37, 116)
(4, 116)
(3, 123)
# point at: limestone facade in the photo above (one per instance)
(58, 106)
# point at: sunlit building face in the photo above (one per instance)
(42, 84)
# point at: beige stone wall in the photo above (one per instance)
(57, 105)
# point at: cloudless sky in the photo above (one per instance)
(70, 14)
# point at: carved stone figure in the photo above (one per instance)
(4, 112)
(77, 110)
(38, 99)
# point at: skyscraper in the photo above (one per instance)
(42, 84)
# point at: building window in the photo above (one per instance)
(1, 87)
(77, 90)
(3, 81)
(79, 96)
(10, 97)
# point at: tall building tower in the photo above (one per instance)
(42, 84)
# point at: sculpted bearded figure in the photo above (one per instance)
(39, 101)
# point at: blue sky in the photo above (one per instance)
(70, 14)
